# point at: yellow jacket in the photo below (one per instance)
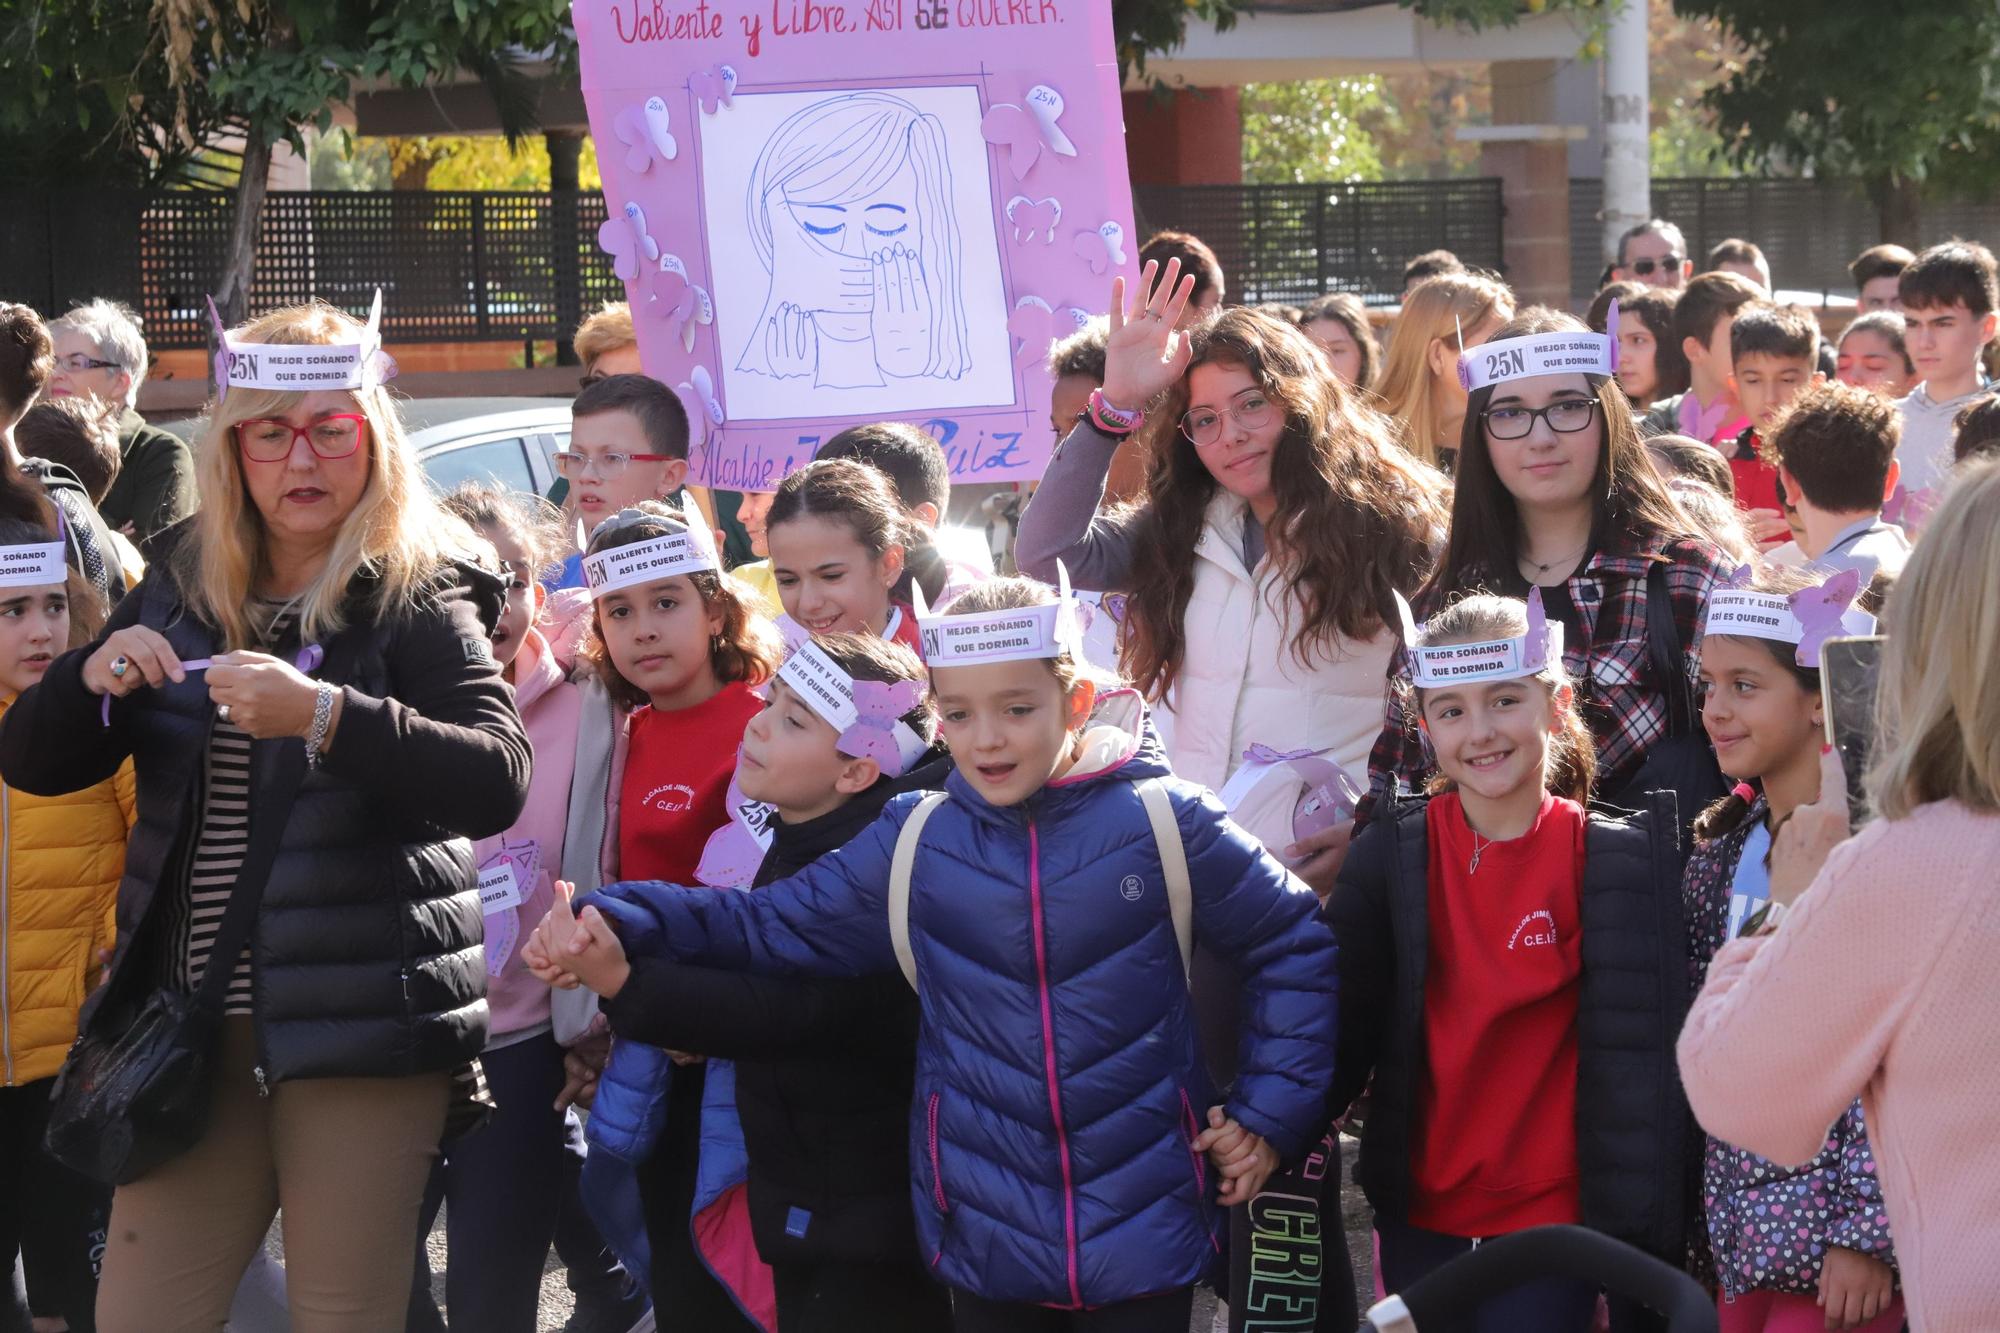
(60, 861)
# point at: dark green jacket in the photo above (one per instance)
(155, 485)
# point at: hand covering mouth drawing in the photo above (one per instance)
(850, 210)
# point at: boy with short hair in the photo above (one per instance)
(1949, 296)
(1743, 259)
(915, 463)
(1708, 411)
(1836, 451)
(1774, 351)
(628, 442)
(1876, 272)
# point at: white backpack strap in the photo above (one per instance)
(1173, 864)
(899, 883)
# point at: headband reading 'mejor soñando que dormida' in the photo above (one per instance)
(302, 367)
(1558, 352)
(1052, 630)
(1497, 659)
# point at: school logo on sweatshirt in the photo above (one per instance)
(1537, 929)
(672, 797)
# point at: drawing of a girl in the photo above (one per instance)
(850, 208)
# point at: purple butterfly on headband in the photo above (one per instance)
(1910, 509)
(1536, 647)
(878, 707)
(1819, 610)
(1741, 577)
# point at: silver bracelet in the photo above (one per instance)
(322, 719)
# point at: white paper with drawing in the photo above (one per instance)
(851, 233)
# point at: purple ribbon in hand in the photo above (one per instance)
(878, 707)
(1260, 753)
(307, 662)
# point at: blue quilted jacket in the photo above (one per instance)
(1059, 1085)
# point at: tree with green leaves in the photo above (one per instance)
(1900, 98)
(1311, 130)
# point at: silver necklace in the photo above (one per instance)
(1568, 560)
(1478, 850)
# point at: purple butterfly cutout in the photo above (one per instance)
(645, 131)
(1029, 216)
(878, 706)
(733, 852)
(713, 87)
(1741, 577)
(1535, 648)
(1819, 610)
(623, 236)
(1910, 509)
(1035, 325)
(1103, 249)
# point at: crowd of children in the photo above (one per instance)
(923, 971)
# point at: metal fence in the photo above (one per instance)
(1807, 229)
(506, 266)
(1296, 242)
(461, 266)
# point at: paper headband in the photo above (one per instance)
(1054, 630)
(691, 551)
(1499, 659)
(302, 367)
(1564, 351)
(867, 713)
(33, 565)
(1808, 617)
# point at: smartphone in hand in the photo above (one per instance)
(1849, 670)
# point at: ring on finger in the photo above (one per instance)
(1154, 314)
(119, 666)
(223, 714)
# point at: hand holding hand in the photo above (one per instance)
(1803, 841)
(1244, 1160)
(582, 1064)
(592, 953)
(1145, 351)
(265, 696)
(129, 659)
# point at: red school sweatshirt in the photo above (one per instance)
(1494, 1147)
(676, 785)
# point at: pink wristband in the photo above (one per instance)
(1113, 420)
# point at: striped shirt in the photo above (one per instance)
(219, 849)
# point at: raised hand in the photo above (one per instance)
(901, 320)
(1145, 353)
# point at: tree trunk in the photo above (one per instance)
(233, 295)
(565, 156)
(1899, 205)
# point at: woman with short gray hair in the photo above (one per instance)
(101, 355)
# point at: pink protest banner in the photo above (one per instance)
(829, 214)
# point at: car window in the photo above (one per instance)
(501, 462)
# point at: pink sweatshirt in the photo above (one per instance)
(1881, 982)
(549, 706)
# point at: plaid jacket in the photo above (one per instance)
(1624, 706)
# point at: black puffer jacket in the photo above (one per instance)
(1633, 1130)
(824, 1069)
(367, 948)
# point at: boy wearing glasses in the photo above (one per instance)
(1654, 253)
(1709, 410)
(628, 442)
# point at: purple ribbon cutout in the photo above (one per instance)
(1260, 753)
(307, 661)
(878, 707)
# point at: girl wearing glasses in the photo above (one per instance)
(1277, 521)
(1554, 491)
(305, 687)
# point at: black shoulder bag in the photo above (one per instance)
(1682, 761)
(134, 1093)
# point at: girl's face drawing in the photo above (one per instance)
(865, 225)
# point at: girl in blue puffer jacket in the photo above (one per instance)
(1062, 1169)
